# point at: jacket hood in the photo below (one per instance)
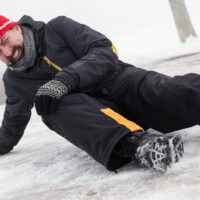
(29, 21)
(37, 28)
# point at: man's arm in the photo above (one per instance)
(96, 58)
(96, 61)
(16, 116)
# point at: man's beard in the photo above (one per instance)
(11, 60)
(23, 55)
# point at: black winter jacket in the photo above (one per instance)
(85, 56)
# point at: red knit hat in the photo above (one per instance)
(5, 25)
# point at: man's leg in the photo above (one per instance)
(156, 101)
(91, 126)
(104, 133)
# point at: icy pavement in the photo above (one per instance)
(45, 166)
(189, 63)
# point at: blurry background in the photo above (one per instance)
(143, 31)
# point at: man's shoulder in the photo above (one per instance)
(60, 20)
(57, 20)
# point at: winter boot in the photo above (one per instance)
(177, 148)
(175, 143)
(152, 149)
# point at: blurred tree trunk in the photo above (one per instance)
(182, 19)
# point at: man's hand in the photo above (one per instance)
(48, 96)
(5, 149)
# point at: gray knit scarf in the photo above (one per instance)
(29, 51)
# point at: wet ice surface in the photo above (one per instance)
(178, 65)
(46, 166)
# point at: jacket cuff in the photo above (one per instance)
(63, 81)
(68, 79)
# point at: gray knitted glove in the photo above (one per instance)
(49, 94)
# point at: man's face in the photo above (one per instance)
(12, 46)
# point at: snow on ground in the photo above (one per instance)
(46, 166)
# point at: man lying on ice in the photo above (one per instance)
(83, 92)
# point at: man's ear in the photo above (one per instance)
(18, 28)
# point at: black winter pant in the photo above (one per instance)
(157, 101)
(148, 98)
